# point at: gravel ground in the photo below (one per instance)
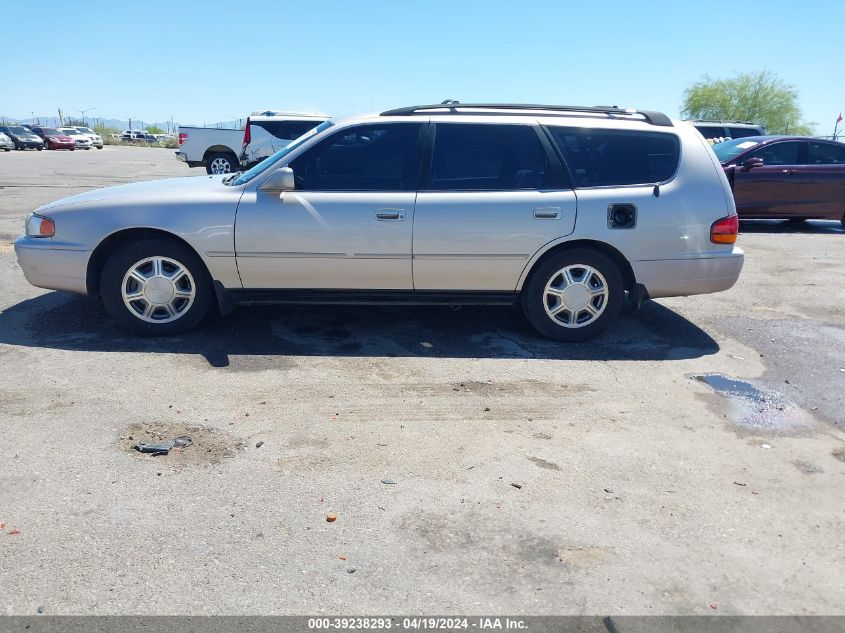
(472, 466)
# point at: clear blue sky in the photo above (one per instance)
(215, 61)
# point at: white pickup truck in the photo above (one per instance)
(222, 151)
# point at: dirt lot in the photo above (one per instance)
(642, 490)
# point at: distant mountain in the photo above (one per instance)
(120, 124)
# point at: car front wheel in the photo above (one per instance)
(573, 295)
(156, 287)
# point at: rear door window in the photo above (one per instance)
(479, 157)
(601, 158)
(287, 130)
(826, 154)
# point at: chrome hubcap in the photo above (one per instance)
(220, 166)
(575, 296)
(158, 289)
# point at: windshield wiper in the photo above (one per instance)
(231, 177)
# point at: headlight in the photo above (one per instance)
(39, 226)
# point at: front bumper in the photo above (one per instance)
(52, 268)
(693, 276)
(30, 144)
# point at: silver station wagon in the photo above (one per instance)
(569, 211)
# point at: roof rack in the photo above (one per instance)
(650, 116)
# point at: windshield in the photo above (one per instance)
(85, 130)
(19, 130)
(278, 156)
(730, 149)
(68, 132)
(48, 131)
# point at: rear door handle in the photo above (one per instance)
(390, 214)
(790, 171)
(547, 213)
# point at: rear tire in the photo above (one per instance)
(221, 163)
(156, 287)
(574, 295)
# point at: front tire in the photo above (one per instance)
(156, 287)
(573, 295)
(220, 163)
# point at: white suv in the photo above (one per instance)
(268, 131)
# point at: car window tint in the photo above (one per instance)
(482, 157)
(709, 131)
(826, 154)
(785, 153)
(617, 157)
(287, 130)
(380, 157)
(742, 132)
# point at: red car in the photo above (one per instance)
(792, 177)
(53, 139)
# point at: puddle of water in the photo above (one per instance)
(756, 408)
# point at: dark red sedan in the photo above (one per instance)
(791, 177)
(53, 139)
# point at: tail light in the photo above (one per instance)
(183, 136)
(724, 231)
(247, 135)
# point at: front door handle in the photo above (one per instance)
(790, 171)
(390, 214)
(547, 213)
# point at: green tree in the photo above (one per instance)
(154, 129)
(760, 97)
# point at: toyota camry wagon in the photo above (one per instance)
(567, 211)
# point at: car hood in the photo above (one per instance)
(149, 191)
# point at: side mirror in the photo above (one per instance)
(280, 181)
(751, 163)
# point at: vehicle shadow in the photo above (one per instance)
(68, 322)
(785, 226)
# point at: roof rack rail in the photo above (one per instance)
(650, 116)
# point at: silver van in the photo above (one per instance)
(568, 211)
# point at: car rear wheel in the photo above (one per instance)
(156, 287)
(573, 295)
(221, 163)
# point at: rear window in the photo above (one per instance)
(743, 132)
(711, 131)
(599, 158)
(287, 130)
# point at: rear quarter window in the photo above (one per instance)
(601, 158)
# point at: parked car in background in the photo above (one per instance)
(222, 151)
(53, 138)
(6, 143)
(791, 177)
(81, 141)
(446, 204)
(265, 133)
(138, 136)
(96, 139)
(22, 137)
(727, 130)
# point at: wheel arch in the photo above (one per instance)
(114, 241)
(218, 149)
(625, 268)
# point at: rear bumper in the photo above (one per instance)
(52, 268)
(181, 156)
(682, 277)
